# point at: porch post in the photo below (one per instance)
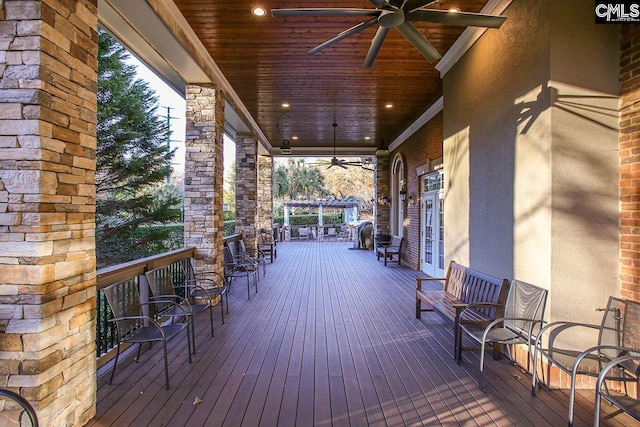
(48, 75)
(247, 187)
(265, 192)
(381, 179)
(203, 181)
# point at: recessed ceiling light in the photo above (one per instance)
(294, 138)
(285, 105)
(366, 138)
(388, 105)
(259, 11)
(454, 10)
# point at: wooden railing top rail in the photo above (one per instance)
(116, 273)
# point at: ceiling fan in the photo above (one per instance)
(341, 162)
(396, 14)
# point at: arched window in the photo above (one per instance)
(397, 206)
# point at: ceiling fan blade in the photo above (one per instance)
(416, 4)
(325, 11)
(343, 35)
(456, 18)
(378, 3)
(418, 41)
(376, 44)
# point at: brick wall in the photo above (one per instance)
(422, 146)
(48, 85)
(203, 181)
(630, 163)
(382, 183)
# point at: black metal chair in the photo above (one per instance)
(523, 317)
(18, 405)
(255, 255)
(618, 335)
(135, 327)
(268, 247)
(188, 297)
(233, 269)
(214, 283)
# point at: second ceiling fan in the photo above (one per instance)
(396, 14)
(341, 162)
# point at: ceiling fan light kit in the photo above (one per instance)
(396, 14)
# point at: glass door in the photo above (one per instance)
(432, 241)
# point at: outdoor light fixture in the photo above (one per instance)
(383, 200)
(403, 195)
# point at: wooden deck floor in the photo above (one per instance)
(331, 339)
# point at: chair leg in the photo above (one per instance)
(115, 363)
(211, 319)
(481, 364)
(190, 319)
(572, 396)
(166, 362)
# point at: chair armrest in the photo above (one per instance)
(621, 351)
(564, 326)
(155, 301)
(150, 319)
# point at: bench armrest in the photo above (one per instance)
(419, 281)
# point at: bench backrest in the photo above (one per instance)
(469, 285)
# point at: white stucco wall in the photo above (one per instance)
(530, 139)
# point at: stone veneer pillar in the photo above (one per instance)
(381, 179)
(265, 192)
(247, 187)
(203, 181)
(48, 86)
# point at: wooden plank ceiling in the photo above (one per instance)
(265, 60)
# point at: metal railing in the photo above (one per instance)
(105, 331)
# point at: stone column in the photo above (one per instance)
(247, 187)
(203, 181)
(381, 179)
(265, 192)
(48, 85)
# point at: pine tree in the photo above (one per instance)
(132, 161)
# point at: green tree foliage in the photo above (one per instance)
(298, 181)
(133, 161)
(229, 192)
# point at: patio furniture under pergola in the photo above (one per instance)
(350, 208)
(349, 215)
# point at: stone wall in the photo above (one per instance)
(247, 187)
(629, 163)
(265, 192)
(48, 85)
(204, 176)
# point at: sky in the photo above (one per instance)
(175, 101)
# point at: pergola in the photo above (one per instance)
(350, 208)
